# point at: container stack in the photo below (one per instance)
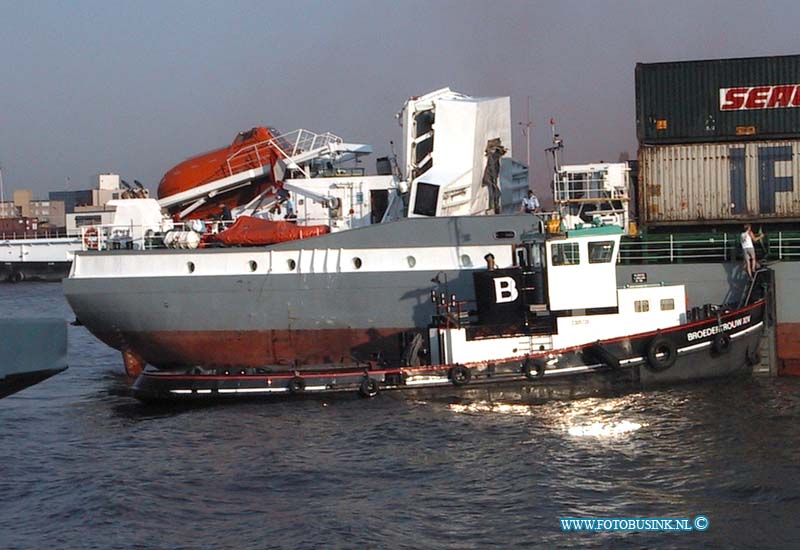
(719, 141)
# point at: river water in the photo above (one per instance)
(83, 465)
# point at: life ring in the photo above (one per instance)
(752, 356)
(721, 343)
(661, 354)
(369, 387)
(296, 385)
(90, 239)
(460, 375)
(533, 368)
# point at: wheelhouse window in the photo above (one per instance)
(667, 304)
(566, 254)
(601, 252)
(641, 306)
(426, 199)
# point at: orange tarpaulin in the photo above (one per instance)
(250, 231)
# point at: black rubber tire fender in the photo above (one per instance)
(296, 385)
(533, 368)
(369, 387)
(721, 343)
(667, 351)
(460, 375)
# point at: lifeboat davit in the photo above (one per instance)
(250, 149)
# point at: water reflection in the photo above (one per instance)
(602, 418)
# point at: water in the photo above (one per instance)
(82, 465)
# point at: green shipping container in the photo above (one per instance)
(743, 99)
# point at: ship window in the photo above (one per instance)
(426, 199)
(412, 261)
(566, 254)
(505, 234)
(641, 306)
(466, 261)
(600, 252)
(667, 304)
(190, 266)
(253, 265)
(292, 264)
(357, 263)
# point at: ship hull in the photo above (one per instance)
(326, 311)
(32, 350)
(17, 272)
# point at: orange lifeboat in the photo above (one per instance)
(251, 149)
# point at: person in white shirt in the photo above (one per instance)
(530, 204)
(747, 238)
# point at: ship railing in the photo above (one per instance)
(723, 247)
(288, 146)
(450, 312)
(54, 234)
(119, 237)
(586, 187)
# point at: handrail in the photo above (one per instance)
(287, 145)
(724, 247)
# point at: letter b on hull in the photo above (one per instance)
(505, 290)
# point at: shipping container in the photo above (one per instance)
(18, 227)
(718, 100)
(719, 183)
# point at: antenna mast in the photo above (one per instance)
(2, 195)
(526, 131)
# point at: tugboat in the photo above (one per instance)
(555, 313)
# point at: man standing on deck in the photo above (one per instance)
(749, 250)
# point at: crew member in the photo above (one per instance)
(747, 238)
(530, 204)
(288, 204)
(490, 265)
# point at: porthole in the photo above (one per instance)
(357, 263)
(412, 261)
(466, 261)
(253, 265)
(190, 266)
(291, 264)
(505, 234)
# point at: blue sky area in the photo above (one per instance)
(136, 87)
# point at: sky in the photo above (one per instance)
(134, 88)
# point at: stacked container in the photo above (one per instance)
(719, 141)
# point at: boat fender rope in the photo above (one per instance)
(296, 385)
(721, 343)
(533, 368)
(460, 375)
(661, 354)
(369, 387)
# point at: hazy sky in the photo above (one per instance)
(136, 87)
